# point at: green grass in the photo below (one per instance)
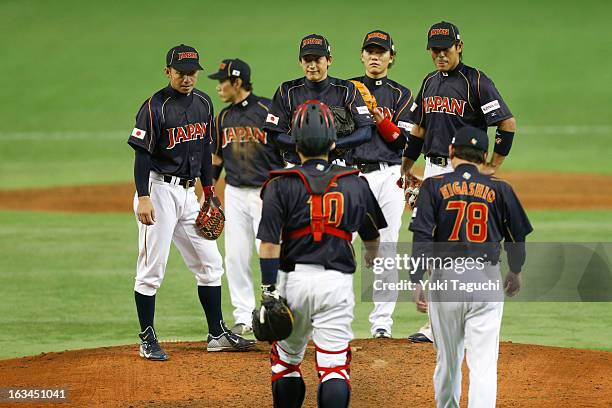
(68, 283)
(76, 72)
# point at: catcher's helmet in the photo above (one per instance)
(313, 128)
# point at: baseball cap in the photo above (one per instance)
(442, 35)
(233, 67)
(315, 44)
(183, 58)
(472, 137)
(380, 38)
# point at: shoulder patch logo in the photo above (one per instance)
(405, 125)
(363, 110)
(138, 133)
(491, 106)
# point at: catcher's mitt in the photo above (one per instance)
(411, 185)
(211, 220)
(368, 98)
(273, 321)
(345, 124)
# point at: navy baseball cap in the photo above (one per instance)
(472, 137)
(183, 58)
(233, 68)
(315, 44)
(442, 35)
(380, 38)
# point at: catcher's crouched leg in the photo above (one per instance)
(288, 388)
(333, 369)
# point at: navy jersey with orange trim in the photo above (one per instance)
(174, 134)
(331, 91)
(449, 101)
(348, 205)
(394, 100)
(466, 206)
(247, 153)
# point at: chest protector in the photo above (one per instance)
(316, 185)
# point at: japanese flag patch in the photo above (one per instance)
(138, 133)
(272, 119)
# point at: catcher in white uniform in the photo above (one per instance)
(309, 215)
(243, 148)
(463, 216)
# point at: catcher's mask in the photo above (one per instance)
(313, 128)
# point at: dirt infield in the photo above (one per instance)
(389, 373)
(536, 191)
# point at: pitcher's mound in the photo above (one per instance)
(384, 373)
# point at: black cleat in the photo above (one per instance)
(149, 347)
(419, 338)
(381, 334)
(229, 341)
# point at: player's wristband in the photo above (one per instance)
(413, 148)
(269, 270)
(388, 130)
(503, 142)
(216, 171)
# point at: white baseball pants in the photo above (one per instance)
(242, 216)
(471, 326)
(391, 201)
(322, 302)
(176, 209)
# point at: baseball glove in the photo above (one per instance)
(211, 220)
(411, 185)
(273, 321)
(345, 124)
(368, 98)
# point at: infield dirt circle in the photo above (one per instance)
(384, 373)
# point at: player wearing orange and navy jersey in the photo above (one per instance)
(309, 215)
(463, 216)
(244, 149)
(380, 158)
(450, 98)
(315, 58)
(171, 140)
(454, 96)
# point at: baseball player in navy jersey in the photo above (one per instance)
(451, 97)
(471, 213)
(242, 147)
(171, 140)
(380, 158)
(309, 215)
(315, 58)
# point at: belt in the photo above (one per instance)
(187, 183)
(370, 167)
(177, 181)
(438, 160)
